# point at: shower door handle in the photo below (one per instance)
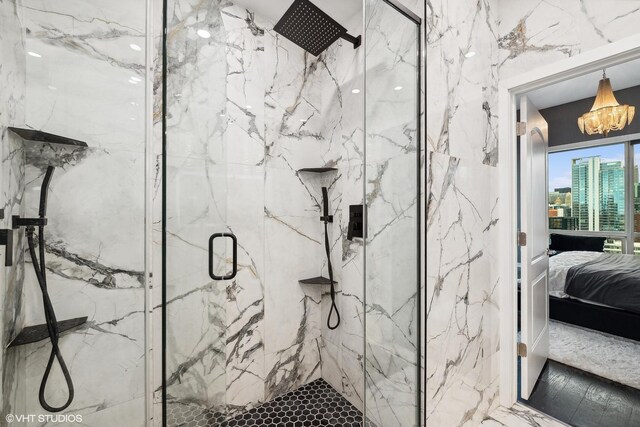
(234, 270)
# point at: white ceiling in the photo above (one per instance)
(340, 10)
(622, 76)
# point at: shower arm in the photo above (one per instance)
(357, 41)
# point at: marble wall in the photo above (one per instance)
(84, 80)
(12, 158)
(507, 37)
(461, 295)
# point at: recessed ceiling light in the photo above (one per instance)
(135, 47)
(470, 54)
(34, 54)
(203, 33)
(52, 87)
(397, 88)
(355, 91)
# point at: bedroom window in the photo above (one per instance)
(595, 191)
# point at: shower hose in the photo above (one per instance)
(327, 247)
(50, 316)
(334, 308)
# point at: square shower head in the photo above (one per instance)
(309, 27)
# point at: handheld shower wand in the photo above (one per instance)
(326, 218)
(39, 267)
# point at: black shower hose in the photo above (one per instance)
(39, 267)
(52, 325)
(334, 308)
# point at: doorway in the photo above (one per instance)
(528, 327)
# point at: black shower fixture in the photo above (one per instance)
(309, 27)
(326, 219)
(53, 327)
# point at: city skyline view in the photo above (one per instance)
(587, 191)
(560, 162)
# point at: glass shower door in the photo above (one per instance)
(392, 340)
(195, 302)
(196, 183)
(214, 197)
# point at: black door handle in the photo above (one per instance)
(234, 271)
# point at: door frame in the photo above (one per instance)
(509, 90)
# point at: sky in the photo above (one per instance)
(560, 163)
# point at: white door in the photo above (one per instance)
(534, 292)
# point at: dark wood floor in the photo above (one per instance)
(582, 399)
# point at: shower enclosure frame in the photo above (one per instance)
(421, 240)
(420, 402)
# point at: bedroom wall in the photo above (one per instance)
(509, 37)
(562, 119)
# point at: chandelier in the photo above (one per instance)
(606, 114)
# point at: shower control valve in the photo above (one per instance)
(6, 239)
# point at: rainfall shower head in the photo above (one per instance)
(312, 29)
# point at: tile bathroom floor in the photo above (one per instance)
(314, 404)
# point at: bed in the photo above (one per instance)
(593, 289)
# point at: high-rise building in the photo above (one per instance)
(597, 194)
(585, 192)
(612, 196)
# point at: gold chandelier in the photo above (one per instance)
(606, 114)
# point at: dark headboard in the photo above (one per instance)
(562, 242)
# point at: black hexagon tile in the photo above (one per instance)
(312, 405)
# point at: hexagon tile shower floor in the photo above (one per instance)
(314, 404)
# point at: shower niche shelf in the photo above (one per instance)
(317, 170)
(44, 137)
(320, 280)
(31, 334)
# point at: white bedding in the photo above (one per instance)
(559, 266)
